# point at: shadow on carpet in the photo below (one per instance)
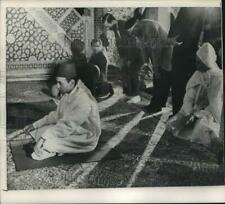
(21, 155)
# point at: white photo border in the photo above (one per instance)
(151, 194)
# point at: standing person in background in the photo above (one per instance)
(211, 31)
(105, 44)
(131, 56)
(188, 26)
(145, 72)
(158, 47)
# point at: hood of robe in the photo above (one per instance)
(207, 55)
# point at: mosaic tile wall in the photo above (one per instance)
(77, 32)
(56, 13)
(28, 41)
(99, 27)
(70, 20)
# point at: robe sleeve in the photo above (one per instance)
(51, 118)
(215, 97)
(188, 102)
(71, 122)
(190, 94)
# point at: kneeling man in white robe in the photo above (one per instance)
(75, 126)
(199, 119)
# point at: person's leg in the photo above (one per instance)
(124, 78)
(165, 85)
(160, 93)
(178, 90)
(134, 84)
(155, 94)
(182, 70)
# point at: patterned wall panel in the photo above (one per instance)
(70, 20)
(99, 27)
(77, 32)
(26, 40)
(56, 13)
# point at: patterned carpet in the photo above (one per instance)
(150, 156)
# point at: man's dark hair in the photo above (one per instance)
(137, 14)
(108, 17)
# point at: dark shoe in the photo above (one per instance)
(111, 91)
(106, 96)
(151, 109)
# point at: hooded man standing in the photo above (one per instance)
(199, 118)
(75, 126)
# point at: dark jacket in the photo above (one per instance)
(87, 72)
(100, 60)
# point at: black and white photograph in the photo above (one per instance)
(113, 97)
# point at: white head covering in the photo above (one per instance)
(207, 55)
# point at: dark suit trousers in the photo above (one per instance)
(161, 88)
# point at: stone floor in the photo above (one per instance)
(150, 156)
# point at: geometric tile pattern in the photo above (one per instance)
(55, 13)
(78, 32)
(26, 40)
(70, 20)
